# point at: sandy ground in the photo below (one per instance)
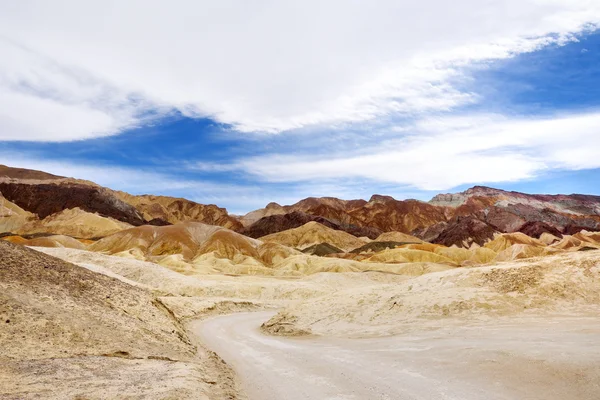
(518, 330)
(556, 358)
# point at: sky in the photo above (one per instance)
(241, 103)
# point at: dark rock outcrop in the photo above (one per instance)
(277, 223)
(322, 249)
(535, 229)
(48, 198)
(463, 231)
(375, 247)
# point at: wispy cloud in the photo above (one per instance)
(74, 70)
(446, 152)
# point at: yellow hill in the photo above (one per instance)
(401, 255)
(505, 240)
(521, 251)
(76, 223)
(190, 240)
(397, 237)
(273, 253)
(12, 217)
(55, 241)
(314, 233)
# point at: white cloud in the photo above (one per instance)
(447, 152)
(265, 65)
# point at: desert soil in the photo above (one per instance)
(519, 358)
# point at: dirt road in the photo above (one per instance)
(556, 358)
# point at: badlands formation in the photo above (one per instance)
(102, 290)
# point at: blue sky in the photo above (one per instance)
(253, 107)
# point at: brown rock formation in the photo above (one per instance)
(464, 231)
(536, 229)
(49, 198)
(172, 210)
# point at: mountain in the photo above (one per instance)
(460, 219)
(44, 194)
(35, 202)
(174, 210)
(39, 201)
(509, 211)
(359, 217)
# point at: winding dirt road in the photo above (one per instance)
(541, 359)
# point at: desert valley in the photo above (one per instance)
(480, 294)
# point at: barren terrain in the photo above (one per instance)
(525, 358)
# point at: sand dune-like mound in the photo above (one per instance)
(401, 255)
(548, 238)
(398, 237)
(12, 217)
(474, 256)
(561, 283)
(16, 239)
(191, 248)
(76, 223)
(273, 253)
(314, 233)
(55, 241)
(521, 251)
(409, 269)
(423, 246)
(568, 243)
(307, 264)
(228, 244)
(504, 241)
(253, 288)
(578, 241)
(184, 238)
(588, 238)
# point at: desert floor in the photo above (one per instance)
(522, 358)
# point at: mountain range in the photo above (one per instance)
(35, 203)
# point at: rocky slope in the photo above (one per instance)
(83, 334)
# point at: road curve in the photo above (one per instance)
(542, 360)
